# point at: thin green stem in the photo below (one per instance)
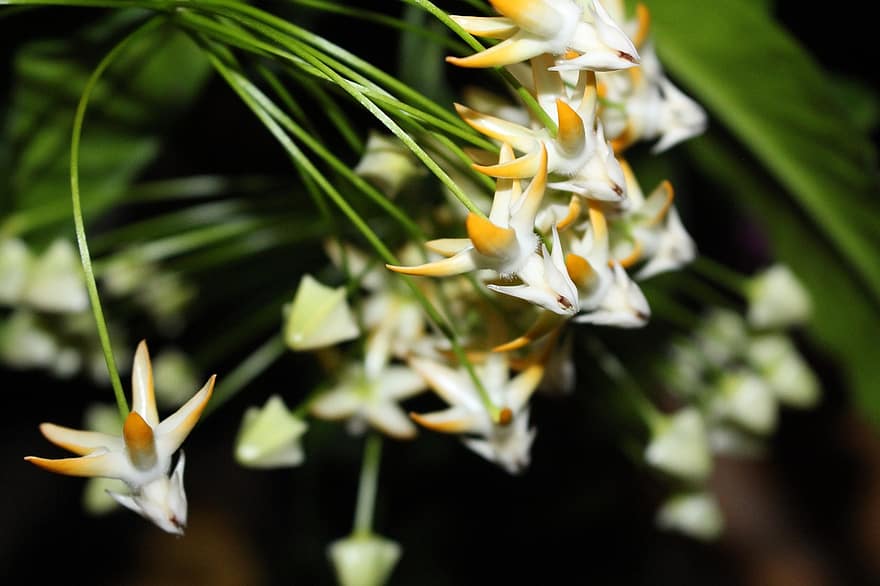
(79, 223)
(378, 245)
(368, 485)
(720, 274)
(249, 369)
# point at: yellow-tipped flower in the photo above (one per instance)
(506, 443)
(141, 456)
(528, 28)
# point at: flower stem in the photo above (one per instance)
(79, 223)
(720, 274)
(368, 485)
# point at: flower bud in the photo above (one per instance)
(55, 282)
(695, 514)
(777, 299)
(784, 370)
(680, 446)
(387, 163)
(744, 398)
(15, 263)
(318, 317)
(174, 376)
(363, 560)
(269, 436)
(26, 343)
(722, 336)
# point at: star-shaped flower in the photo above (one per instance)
(363, 397)
(141, 457)
(528, 28)
(506, 443)
(506, 243)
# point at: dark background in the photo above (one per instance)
(583, 512)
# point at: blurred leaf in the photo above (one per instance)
(860, 100)
(151, 83)
(758, 81)
(427, 72)
(844, 320)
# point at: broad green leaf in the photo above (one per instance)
(845, 321)
(138, 98)
(768, 91)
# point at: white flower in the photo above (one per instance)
(141, 456)
(363, 399)
(387, 163)
(777, 299)
(505, 242)
(15, 264)
(55, 281)
(532, 27)
(506, 443)
(695, 514)
(744, 398)
(680, 446)
(269, 437)
(26, 343)
(608, 295)
(722, 336)
(363, 560)
(318, 317)
(784, 370)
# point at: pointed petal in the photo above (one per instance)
(143, 397)
(489, 239)
(579, 270)
(336, 403)
(521, 168)
(643, 29)
(390, 419)
(547, 322)
(520, 388)
(506, 190)
(492, 27)
(537, 17)
(523, 218)
(520, 138)
(174, 429)
(658, 203)
(513, 50)
(401, 382)
(140, 441)
(453, 420)
(574, 213)
(79, 442)
(572, 137)
(462, 262)
(448, 246)
(103, 463)
(451, 385)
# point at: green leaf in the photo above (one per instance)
(772, 96)
(141, 95)
(844, 321)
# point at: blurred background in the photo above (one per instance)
(808, 513)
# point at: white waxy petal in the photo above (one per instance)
(319, 317)
(747, 400)
(390, 419)
(337, 403)
(784, 370)
(400, 382)
(143, 396)
(56, 282)
(452, 385)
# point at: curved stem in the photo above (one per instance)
(79, 223)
